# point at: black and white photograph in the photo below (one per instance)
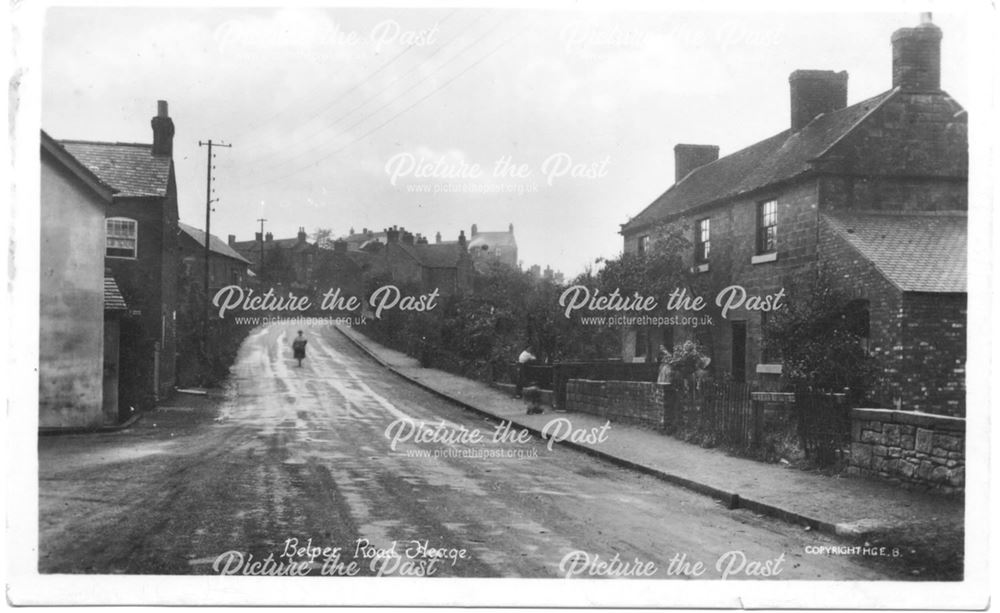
(655, 305)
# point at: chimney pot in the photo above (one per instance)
(916, 56)
(690, 157)
(814, 92)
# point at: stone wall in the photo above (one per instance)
(636, 402)
(908, 447)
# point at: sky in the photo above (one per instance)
(559, 122)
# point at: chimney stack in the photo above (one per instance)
(302, 234)
(475, 230)
(814, 92)
(437, 237)
(268, 237)
(392, 235)
(461, 240)
(232, 239)
(510, 228)
(407, 238)
(163, 130)
(916, 57)
(258, 236)
(690, 157)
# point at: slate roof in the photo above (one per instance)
(916, 252)
(780, 157)
(113, 299)
(437, 255)
(493, 239)
(130, 168)
(215, 244)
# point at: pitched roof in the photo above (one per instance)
(113, 299)
(253, 246)
(493, 239)
(215, 244)
(130, 168)
(58, 151)
(780, 157)
(437, 255)
(916, 252)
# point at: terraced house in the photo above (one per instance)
(875, 192)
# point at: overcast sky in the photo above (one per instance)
(327, 110)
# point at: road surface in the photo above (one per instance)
(297, 460)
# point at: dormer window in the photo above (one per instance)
(121, 238)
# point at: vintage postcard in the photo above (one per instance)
(569, 305)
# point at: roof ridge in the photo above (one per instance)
(103, 142)
(886, 95)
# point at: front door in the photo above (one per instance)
(739, 351)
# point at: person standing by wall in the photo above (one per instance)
(523, 360)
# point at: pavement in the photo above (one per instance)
(842, 506)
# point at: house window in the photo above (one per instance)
(857, 320)
(767, 226)
(122, 237)
(702, 240)
(498, 252)
(641, 344)
(643, 244)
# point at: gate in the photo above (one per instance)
(824, 421)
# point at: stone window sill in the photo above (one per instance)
(764, 257)
(698, 268)
(769, 369)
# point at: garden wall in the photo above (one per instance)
(636, 402)
(909, 447)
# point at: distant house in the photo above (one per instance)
(875, 192)
(409, 258)
(285, 260)
(225, 265)
(493, 247)
(79, 304)
(141, 236)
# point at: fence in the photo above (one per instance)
(555, 376)
(721, 411)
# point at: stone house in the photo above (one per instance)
(80, 304)
(141, 236)
(875, 192)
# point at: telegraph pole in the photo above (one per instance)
(208, 223)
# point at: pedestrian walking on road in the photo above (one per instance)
(299, 347)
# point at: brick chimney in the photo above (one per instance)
(461, 240)
(257, 236)
(269, 237)
(916, 57)
(510, 227)
(437, 237)
(407, 238)
(232, 239)
(163, 130)
(814, 92)
(689, 157)
(302, 234)
(475, 230)
(392, 235)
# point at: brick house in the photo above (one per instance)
(80, 304)
(487, 247)
(141, 235)
(411, 259)
(297, 256)
(875, 191)
(225, 265)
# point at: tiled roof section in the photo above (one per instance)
(113, 299)
(130, 168)
(916, 252)
(778, 158)
(493, 239)
(285, 243)
(214, 243)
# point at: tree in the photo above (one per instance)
(323, 237)
(818, 339)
